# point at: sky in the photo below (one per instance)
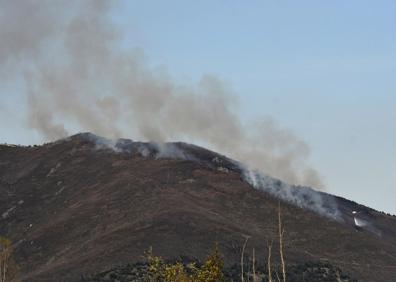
(323, 69)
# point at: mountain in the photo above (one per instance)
(85, 204)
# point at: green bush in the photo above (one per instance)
(210, 271)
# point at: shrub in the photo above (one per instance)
(8, 269)
(210, 271)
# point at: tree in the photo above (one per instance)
(212, 269)
(8, 269)
(281, 231)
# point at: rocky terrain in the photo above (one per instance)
(85, 205)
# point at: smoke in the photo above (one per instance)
(365, 224)
(360, 222)
(79, 75)
(303, 197)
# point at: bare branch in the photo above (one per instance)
(281, 232)
(269, 261)
(254, 266)
(242, 255)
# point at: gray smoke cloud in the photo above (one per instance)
(78, 74)
(303, 197)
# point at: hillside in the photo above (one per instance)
(83, 205)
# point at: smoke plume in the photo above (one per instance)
(77, 74)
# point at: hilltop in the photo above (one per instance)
(85, 204)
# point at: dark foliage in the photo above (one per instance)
(305, 272)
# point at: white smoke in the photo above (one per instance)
(365, 223)
(360, 222)
(77, 74)
(303, 197)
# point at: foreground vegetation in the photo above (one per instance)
(155, 269)
(142, 272)
(8, 268)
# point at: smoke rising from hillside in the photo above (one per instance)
(78, 75)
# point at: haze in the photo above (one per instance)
(323, 72)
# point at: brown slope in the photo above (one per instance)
(73, 209)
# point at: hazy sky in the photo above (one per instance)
(324, 69)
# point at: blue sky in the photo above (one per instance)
(324, 69)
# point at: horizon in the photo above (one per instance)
(167, 142)
(319, 74)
